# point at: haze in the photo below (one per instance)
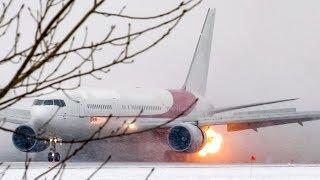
(262, 50)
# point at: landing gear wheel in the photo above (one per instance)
(50, 156)
(56, 157)
(53, 155)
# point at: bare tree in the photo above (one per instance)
(99, 168)
(3, 172)
(150, 173)
(58, 53)
(26, 167)
(40, 61)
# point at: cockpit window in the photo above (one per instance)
(62, 103)
(38, 102)
(48, 102)
(56, 102)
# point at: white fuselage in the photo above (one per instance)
(85, 111)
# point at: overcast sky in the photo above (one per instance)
(262, 50)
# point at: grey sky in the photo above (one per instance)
(262, 50)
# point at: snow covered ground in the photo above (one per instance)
(166, 171)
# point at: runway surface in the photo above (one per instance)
(140, 171)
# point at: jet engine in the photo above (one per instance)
(186, 138)
(24, 139)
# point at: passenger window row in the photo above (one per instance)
(145, 107)
(99, 106)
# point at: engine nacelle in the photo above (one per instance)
(186, 138)
(23, 140)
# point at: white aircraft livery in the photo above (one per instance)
(78, 115)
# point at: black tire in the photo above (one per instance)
(50, 156)
(56, 157)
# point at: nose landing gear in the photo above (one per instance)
(53, 155)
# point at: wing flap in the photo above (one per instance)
(256, 125)
(258, 119)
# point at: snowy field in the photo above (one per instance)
(140, 171)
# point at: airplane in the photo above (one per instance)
(75, 116)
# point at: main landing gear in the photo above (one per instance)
(53, 155)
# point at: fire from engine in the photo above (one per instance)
(213, 144)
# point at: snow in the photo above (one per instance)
(139, 171)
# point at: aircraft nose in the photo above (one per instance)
(43, 113)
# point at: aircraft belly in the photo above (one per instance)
(75, 128)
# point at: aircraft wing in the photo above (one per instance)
(225, 109)
(16, 116)
(258, 119)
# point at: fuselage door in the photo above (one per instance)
(116, 107)
(81, 106)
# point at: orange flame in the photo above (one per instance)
(213, 144)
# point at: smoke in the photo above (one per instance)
(263, 50)
(237, 147)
